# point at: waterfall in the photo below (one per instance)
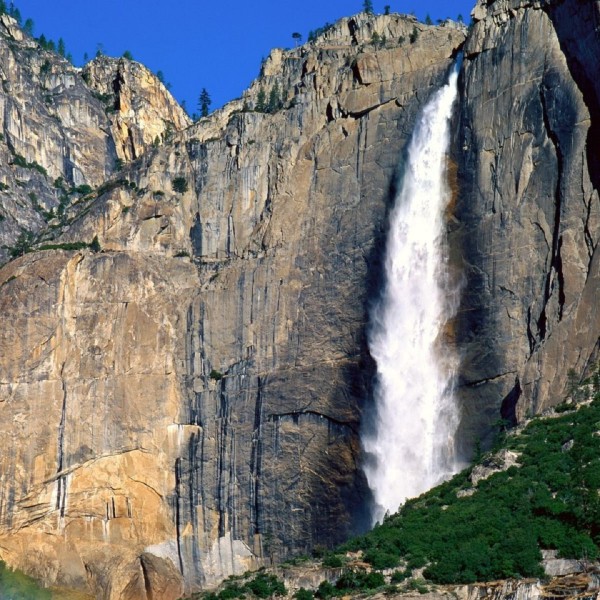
(410, 447)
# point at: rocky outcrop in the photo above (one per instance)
(528, 212)
(143, 113)
(61, 137)
(195, 389)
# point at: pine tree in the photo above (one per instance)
(15, 13)
(261, 101)
(428, 20)
(28, 27)
(3, 8)
(274, 99)
(204, 103)
(368, 6)
(61, 47)
(297, 37)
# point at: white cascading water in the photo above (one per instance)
(411, 446)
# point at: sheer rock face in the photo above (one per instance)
(528, 216)
(143, 112)
(58, 133)
(186, 403)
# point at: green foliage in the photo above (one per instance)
(61, 49)
(325, 590)
(23, 244)
(180, 185)
(379, 41)
(332, 561)
(204, 102)
(386, 9)
(319, 31)
(28, 27)
(550, 501)
(95, 245)
(368, 7)
(127, 54)
(15, 13)
(3, 8)
(231, 591)
(265, 586)
(428, 20)
(261, 101)
(359, 579)
(108, 186)
(400, 576)
(303, 594)
(65, 246)
(216, 375)
(414, 36)
(3, 186)
(21, 161)
(274, 99)
(18, 586)
(84, 189)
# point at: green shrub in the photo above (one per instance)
(231, 591)
(108, 186)
(265, 586)
(359, 579)
(399, 576)
(23, 244)
(180, 185)
(95, 245)
(303, 594)
(332, 561)
(325, 590)
(84, 189)
(65, 246)
(21, 161)
(216, 375)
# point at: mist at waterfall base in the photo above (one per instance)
(410, 445)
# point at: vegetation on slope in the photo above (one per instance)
(15, 585)
(548, 501)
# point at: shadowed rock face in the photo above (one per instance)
(194, 390)
(528, 217)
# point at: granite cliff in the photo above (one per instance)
(183, 400)
(528, 213)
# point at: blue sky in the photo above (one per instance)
(216, 45)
